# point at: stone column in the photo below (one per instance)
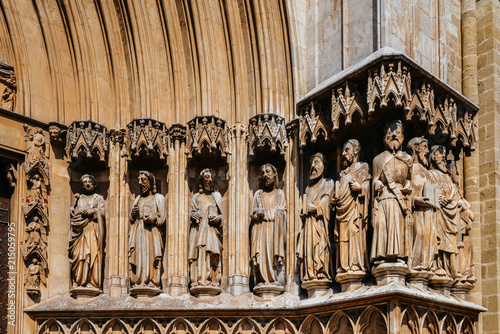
(175, 280)
(116, 279)
(238, 223)
(291, 179)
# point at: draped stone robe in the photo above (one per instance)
(391, 227)
(205, 245)
(146, 242)
(313, 248)
(352, 213)
(268, 237)
(86, 241)
(424, 223)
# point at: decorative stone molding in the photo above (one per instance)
(148, 135)
(208, 132)
(267, 129)
(8, 80)
(346, 104)
(384, 77)
(313, 125)
(34, 207)
(86, 138)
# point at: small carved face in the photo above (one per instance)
(317, 168)
(423, 153)
(268, 176)
(394, 138)
(438, 158)
(88, 185)
(54, 133)
(144, 183)
(207, 181)
(348, 153)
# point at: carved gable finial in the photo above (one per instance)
(146, 135)
(267, 129)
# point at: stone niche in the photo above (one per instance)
(387, 294)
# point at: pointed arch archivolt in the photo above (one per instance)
(213, 326)
(430, 323)
(280, 326)
(180, 326)
(311, 325)
(115, 326)
(340, 323)
(51, 326)
(246, 326)
(147, 326)
(83, 326)
(409, 321)
(372, 321)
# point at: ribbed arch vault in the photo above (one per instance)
(112, 61)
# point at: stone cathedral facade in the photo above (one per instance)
(246, 166)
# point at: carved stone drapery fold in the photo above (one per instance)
(208, 132)
(267, 129)
(8, 80)
(149, 135)
(35, 209)
(346, 104)
(85, 138)
(313, 125)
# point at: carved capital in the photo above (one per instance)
(267, 130)
(177, 133)
(207, 132)
(85, 139)
(239, 130)
(312, 124)
(146, 135)
(292, 128)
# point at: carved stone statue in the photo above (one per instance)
(425, 198)
(313, 248)
(145, 237)
(8, 98)
(86, 236)
(33, 278)
(35, 144)
(268, 234)
(391, 216)
(35, 190)
(448, 216)
(205, 244)
(352, 199)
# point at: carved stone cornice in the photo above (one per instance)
(146, 135)
(346, 104)
(312, 125)
(177, 132)
(267, 129)
(85, 138)
(390, 76)
(207, 132)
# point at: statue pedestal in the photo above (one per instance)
(144, 291)
(84, 292)
(316, 288)
(419, 279)
(205, 290)
(350, 280)
(268, 291)
(442, 284)
(390, 272)
(462, 289)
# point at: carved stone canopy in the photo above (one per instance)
(146, 135)
(207, 132)
(389, 80)
(86, 139)
(267, 130)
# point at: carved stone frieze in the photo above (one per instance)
(267, 129)
(8, 80)
(207, 132)
(313, 125)
(85, 139)
(146, 135)
(391, 81)
(35, 209)
(345, 104)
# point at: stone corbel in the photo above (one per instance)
(346, 104)
(146, 135)
(207, 132)
(267, 129)
(87, 139)
(393, 84)
(312, 125)
(57, 133)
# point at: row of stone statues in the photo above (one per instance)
(420, 225)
